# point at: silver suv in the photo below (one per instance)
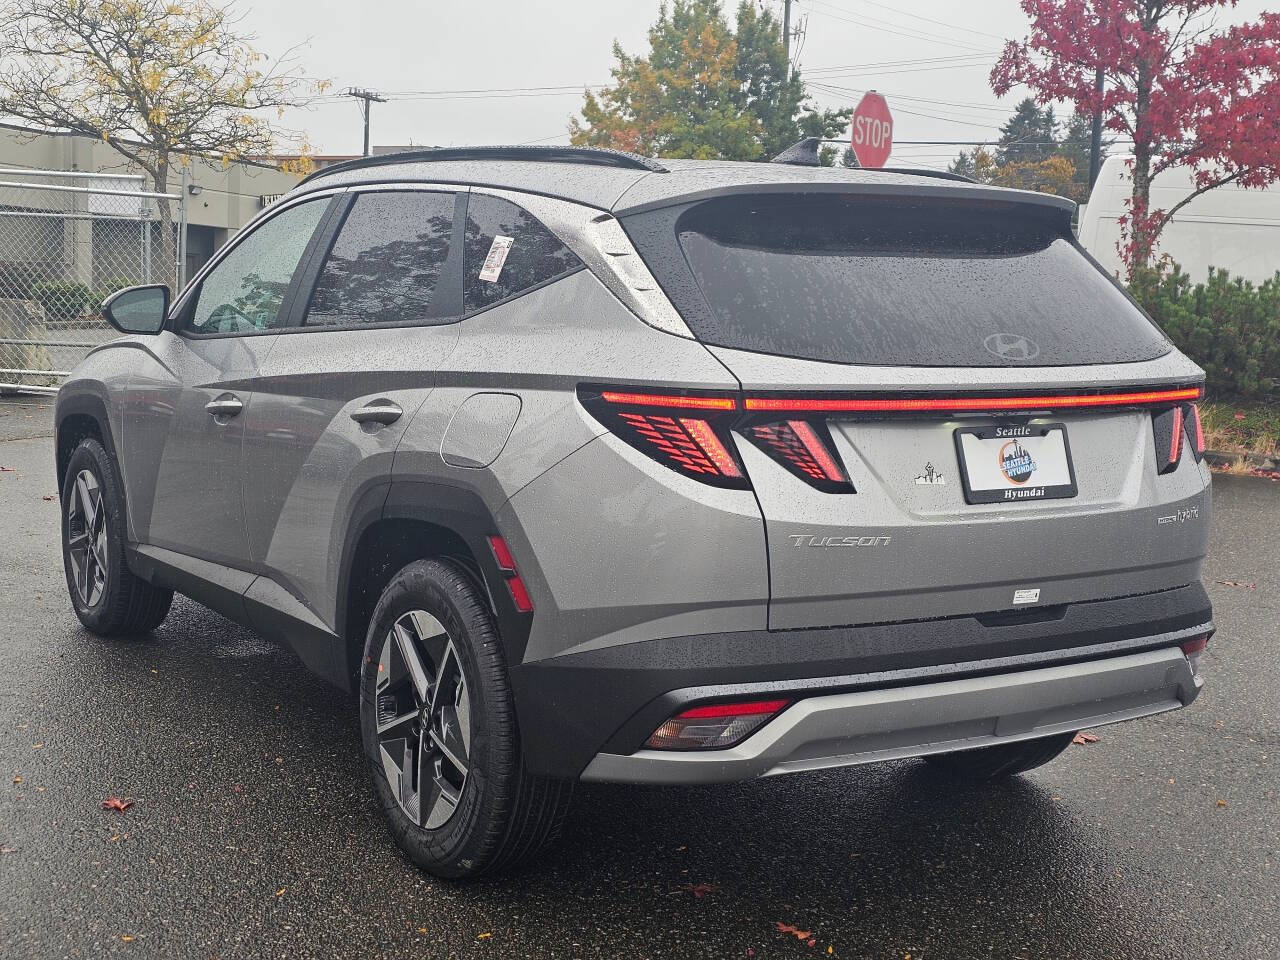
(578, 466)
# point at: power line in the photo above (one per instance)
(915, 16)
(875, 23)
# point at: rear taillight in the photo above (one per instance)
(1194, 430)
(804, 448)
(688, 433)
(1166, 427)
(714, 726)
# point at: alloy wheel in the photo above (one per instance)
(424, 719)
(87, 538)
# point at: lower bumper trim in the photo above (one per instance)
(865, 726)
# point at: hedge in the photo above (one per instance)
(1226, 324)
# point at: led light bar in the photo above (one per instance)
(963, 403)
(669, 400)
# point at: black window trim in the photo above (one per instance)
(190, 295)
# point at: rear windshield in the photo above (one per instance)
(869, 281)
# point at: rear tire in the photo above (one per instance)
(107, 596)
(439, 730)
(1003, 760)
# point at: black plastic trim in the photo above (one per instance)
(594, 156)
(574, 706)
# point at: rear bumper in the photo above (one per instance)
(864, 726)
(574, 707)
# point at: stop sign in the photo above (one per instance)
(872, 131)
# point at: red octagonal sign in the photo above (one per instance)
(872, 131)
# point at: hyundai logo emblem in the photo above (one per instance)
(1011, 346)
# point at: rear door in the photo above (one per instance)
(370, 331)
(898, 361)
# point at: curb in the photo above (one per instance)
(1224, 458)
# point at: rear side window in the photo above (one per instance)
(386, 263)
(868, 281)
(533, 255)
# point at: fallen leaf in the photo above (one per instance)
(280, 892)
(49, 497)
(115, 803)
(37, 746)
(1239, 415)
(126, 938)
(422, 929)
(1222, 803)
(699, 890)
(6, 469)
(1238, 583)
(279, 759)
(812, 944)
(830, 949)
(17, 779)
(8, 849)
(483, 936)
(1083, 738)
(794, 931)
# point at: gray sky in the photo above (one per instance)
(930, 58)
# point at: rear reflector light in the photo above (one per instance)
(805, 450)
(1194, 650)
(714, 726)
(962, 403)
(1196, 645)
(1195, 432)
(507, 566)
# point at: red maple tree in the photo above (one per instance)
(1186, 93)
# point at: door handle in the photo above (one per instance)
(378, 411)
(227, 405)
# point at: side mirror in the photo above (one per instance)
(138, 309)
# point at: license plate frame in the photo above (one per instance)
(1011, 490)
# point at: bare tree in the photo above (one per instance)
(160, 81)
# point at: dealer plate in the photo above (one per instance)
(1007, 463)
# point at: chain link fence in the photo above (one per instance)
(67, 241)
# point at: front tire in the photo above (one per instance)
(1002, 760)
(439, 730)
(108, 598)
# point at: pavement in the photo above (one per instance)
(253, 833)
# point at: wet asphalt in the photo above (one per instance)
(252, 831)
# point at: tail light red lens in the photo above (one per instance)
(805, 449)
(1167, 427)
(714, 726)
(506, 562)
(1194, 429)
(1194, 650)
(689, 434)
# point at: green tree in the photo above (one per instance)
(706, 91)
(1030, 134)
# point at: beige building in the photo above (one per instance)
(219, 200)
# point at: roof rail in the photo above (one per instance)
(596, 156)
(926, 172)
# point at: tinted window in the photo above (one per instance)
(859, 280)
(534, 255)
(386, 264)
(243, 293)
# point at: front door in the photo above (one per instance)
(189, 398)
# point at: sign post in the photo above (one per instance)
(872, 137)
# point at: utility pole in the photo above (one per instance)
(368, 96)
(1095, 146)
(786, 32)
